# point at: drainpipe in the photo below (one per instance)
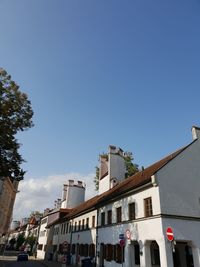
(70, 251)
(97, 237)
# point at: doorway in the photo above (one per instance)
(182, 255)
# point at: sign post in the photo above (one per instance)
(122, 244)
(170, 237)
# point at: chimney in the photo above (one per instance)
(71, 182)
(103, 169)
(46, 211)
(59, 203)
(64, 195)
(80, 183)
(195, 132)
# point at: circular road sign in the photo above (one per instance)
(170, 234)
(128, 234)
(65, 244)
(64, 260)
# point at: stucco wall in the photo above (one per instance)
(179, 183)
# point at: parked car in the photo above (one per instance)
(22, 256)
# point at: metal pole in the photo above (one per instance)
(70, 248)
(96, 237)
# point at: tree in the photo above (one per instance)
(131, 168)
(20, 241)
(31, 241)
(96, 179)
(15, 116)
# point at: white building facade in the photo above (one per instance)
(126, 224)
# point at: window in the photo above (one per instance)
(73, 249)
(83, 224)
(102, 250)
(93, 221)
(119, 254)
(87, 223)
(109, 252)
(64, 228)
(40, 246)
(148, 207)
(86, 250)
(92, 250)
(155, 255)
(103, 218)
(119, 214)
(81, 252)
(79, 225)
(131, 211)
(109, 217)
(70, 227)
(75, 226)
(60, 248)
(137, 254)
(67, 226)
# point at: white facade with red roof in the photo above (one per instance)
(132, 216)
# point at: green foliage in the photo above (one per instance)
(20, 241)
(96, 179)
(131, 168)
(35, 214)
(31, 240)
(15, 116)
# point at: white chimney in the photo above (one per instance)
(195, 132)
(64, 195)
(112, 168)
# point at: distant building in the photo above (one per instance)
(73, 194)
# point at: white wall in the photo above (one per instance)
(104, 184)
(179, 183)
(142, 229)
(42, 239)
(75, 196)
(116, 167)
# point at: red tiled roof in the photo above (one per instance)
(133, 182)
(62, 213)
(32, 221)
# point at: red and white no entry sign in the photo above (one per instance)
(170, 234)
(128, 234)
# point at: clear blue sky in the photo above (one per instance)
(104, 72)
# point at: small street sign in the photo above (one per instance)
(170, 234)
(121, 236)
